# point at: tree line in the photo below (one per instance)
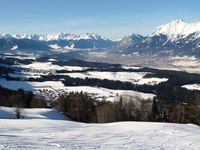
(83, 108)
(20, 99)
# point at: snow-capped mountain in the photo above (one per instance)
(56, 41)
(57, 36)
(177, 36)
(73, 41)
(177, 29)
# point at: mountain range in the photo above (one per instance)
(177, 37)
(53, 41)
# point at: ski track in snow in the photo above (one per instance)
(49, 134)
(41, 131)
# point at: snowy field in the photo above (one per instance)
(133, 77)
(41, 131)
(51, 89)
(110, 95)
(192, 86)
(48, 66)
(36, 113)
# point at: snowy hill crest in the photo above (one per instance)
(177, 29)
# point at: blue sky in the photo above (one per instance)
(111, 18)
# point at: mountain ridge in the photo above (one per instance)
(176, 36)
(56, 36)
(57, 41)
(177, 29)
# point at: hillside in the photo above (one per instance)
(55, 133)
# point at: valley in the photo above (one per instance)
(76, 75)
(54, 76)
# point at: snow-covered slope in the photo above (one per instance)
(39, 133)
(177, 29)
(36, 113)
(176, 37)
(192, 86)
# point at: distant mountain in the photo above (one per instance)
(9, 43)
(178, 29)
(57, 36)
(129, 41)
(53, 41)
(72, 41)
(177, 37)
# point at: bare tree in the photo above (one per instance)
(18, 112)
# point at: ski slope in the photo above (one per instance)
(56, 133)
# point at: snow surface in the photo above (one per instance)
(192, 86)
(110, 95)
(36, 113)
(48, 66)
(131, 67)
(178, 29)
(14, 47)
(30, 86)
(55, 46)
(133, 77)
(69, 48)
(41, 131)
(51, 59)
